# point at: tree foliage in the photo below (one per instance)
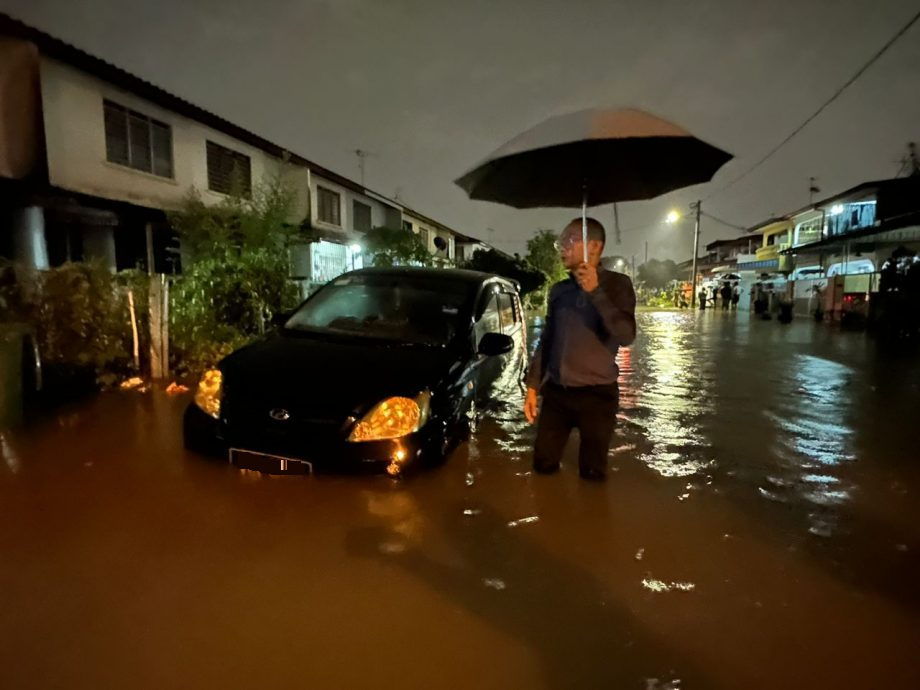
(543, 255)
(657, 274)
(79, 313)
(235, 275)
(396, 247)
(492, 261)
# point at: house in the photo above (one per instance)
(839, 244)
(92, 159)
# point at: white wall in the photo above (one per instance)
(75, 142)
(346, 208)
(449, 237)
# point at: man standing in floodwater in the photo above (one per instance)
(589, 316)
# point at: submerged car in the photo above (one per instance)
(379, 370)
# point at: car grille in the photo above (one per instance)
(249, 423)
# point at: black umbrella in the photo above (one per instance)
(593, 157)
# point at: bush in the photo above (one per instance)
(80, 315)
(235, 276)
(222, 303)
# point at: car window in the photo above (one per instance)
(490, 321)
(509, 314)
(412, 310)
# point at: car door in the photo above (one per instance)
(488, 369)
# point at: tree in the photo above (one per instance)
(236, 276)
(543, 255)
(519, 270)
(657, 274)
(396, 247)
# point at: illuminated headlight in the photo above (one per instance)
(392, 418)
(207, 397)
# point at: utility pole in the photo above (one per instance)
(646, 251)
(696, 247)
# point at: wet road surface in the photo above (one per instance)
(759, 529)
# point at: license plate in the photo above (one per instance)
(269, 464)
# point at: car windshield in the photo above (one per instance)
(410, 309)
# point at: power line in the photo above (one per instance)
(723, 222)
(884, 49)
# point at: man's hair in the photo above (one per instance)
(595, 229)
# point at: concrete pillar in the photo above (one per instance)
(99, 245)
(29, 246)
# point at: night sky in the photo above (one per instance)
(431, 87)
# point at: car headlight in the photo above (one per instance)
(392, 418)
(207, 396)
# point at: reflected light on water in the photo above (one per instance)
(664, 394)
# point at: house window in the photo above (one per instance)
(423, 236)
(229, 172)
(137, 141)
(362, 216)
(328, 204)
(407, 226)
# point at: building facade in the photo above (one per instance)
(92, 159)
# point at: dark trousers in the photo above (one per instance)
(590, 409)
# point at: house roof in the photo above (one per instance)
(67, 53)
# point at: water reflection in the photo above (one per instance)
(696, 386)
(665, 392)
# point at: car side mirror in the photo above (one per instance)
(494, 344)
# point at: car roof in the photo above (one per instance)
(460, 275)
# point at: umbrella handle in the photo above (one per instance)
(584, 221)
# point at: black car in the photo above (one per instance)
(378, 370)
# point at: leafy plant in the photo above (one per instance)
(543, 255)
(492, 261)
(235, 277)
(396, 247)
(79, 313)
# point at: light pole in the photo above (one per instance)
(673, 218)
(696, 251)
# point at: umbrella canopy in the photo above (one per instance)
(593, 157)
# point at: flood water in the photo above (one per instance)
(758, 529)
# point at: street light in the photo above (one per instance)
(671, 219)
(355, 251)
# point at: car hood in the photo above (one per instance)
(334, 377)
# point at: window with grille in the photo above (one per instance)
(362, 216)
(423, 236)
(134, 140)
(328, 206)
(229, 172)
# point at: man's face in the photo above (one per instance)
(571, 248)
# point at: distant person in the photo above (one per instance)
(589, 316)
(736, 296)
(702, 300)
(715, 296)
(726, 294)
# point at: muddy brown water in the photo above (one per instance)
(759, 529)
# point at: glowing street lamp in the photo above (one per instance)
(672, 217)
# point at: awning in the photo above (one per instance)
(766, 264)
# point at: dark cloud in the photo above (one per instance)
(432, 87)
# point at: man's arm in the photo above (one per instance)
(616, 304)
